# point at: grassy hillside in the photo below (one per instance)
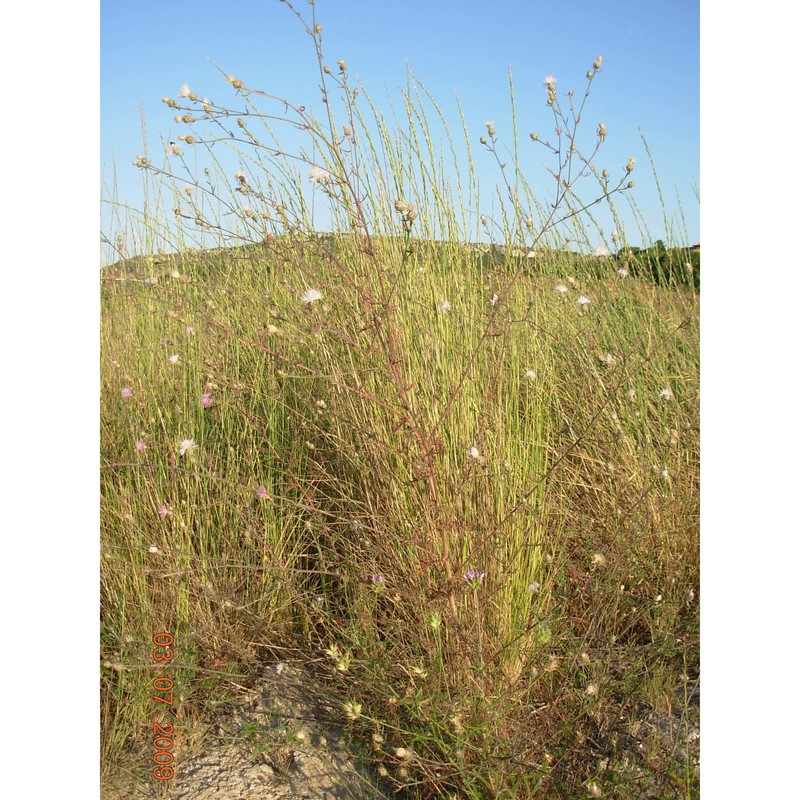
(459, 485)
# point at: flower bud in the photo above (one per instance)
(631, 164)
(597, 62)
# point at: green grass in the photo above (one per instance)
(379, 432)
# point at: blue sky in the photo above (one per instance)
(649, 79)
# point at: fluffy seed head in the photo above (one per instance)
(310, 296)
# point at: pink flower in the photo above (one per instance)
(163, 511)
(206, 400)
(189, 330)
(127, 392)
(140, 446)
(261, 492)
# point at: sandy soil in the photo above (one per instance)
(283, 742)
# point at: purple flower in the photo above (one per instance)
(376, 579)
(206, 400)
(127, 392)
(163, 511)
(472, 576)
(261, 492)
(140, 446)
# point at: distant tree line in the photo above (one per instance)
(663, 265)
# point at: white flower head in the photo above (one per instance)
(549, 81)
(666, 394)
(622, 272)
(601, 251)
(530, 374)
(185, 90)
(311, 296)
(583, 301)
(174, 358)
(609, 360)
(445, 306)
(318, 175)
(560, 288)
(474, 452)
(186, 446)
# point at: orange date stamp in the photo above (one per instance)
(162, 734)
